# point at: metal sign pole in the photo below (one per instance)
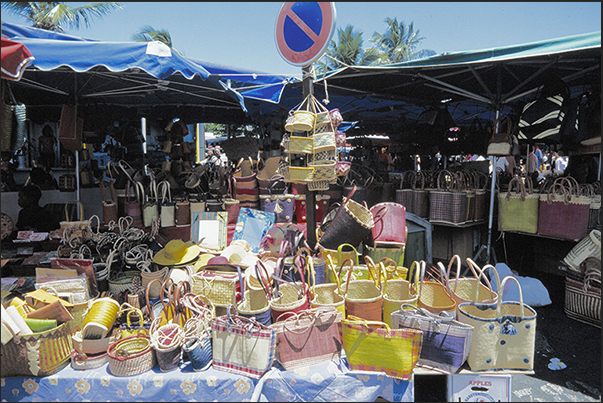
(307, 89)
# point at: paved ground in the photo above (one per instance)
(576, 344)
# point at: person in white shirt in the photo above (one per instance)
(560, 163)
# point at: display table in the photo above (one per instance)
(330, 381)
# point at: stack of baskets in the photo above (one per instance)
(312, 136)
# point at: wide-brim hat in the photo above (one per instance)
(177, 252)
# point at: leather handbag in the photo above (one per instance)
(109, 206)
(168, 207)
(182, 216)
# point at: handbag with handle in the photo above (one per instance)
(504, 334)
(446, 341)
(289, 296)
(501, 143)
(279, 203)
(518, 211)
(363, 298)
(247, 190)
(434, 295)
(466, 289)
(352, 223)
(448, 202)
(242, 345)
(390, 224)
(562, 212)
(132, 207)
(150, 204)
(398, 291)
(110, 205)
(168, 207)
(81, 223)
(404, 196)
(309, 337)
(374, 346)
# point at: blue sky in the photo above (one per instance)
(241, 34)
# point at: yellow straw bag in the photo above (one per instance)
(374, 346)
(326, 294)
(304, 116)
(299, 145)
(470, 289)
(434, 296)
(300, 174)
(363, 298)
(398, 291)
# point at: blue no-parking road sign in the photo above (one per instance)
(303, 31)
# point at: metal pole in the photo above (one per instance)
(307, 89)
(492, 197)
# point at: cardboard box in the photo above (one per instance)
(479, 388)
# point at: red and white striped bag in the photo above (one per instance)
(242, 345)
(309, 337)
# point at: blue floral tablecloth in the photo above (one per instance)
(330, 381)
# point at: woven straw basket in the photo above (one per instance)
(363, 298)
(131, 356)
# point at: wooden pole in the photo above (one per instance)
(307, 89)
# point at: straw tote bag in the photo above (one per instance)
(309, 337)
(363, 298)
(109, 206)
(327, 294)
(467, 289)
(254, 302)
(288, 297)
(448, 202)
(583, 293)
(518, 211)
(167, 206)
(433, 295)
(563, 213)
(246, 187)
(242, 345)
(390, 224)
(446, 341)
(352, 224)
(420, 196)
(399, 291)
(374, 346)
(504, 334)
(404, 196)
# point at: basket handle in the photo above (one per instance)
(499, 302)
(81, 210)
(355, 320)
(340, 248)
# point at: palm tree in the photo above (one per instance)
(348, 51)
(54, 16)
(147, 34)
(398, 43)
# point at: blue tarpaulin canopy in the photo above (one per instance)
(141, 78)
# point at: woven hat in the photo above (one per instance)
(177, 252)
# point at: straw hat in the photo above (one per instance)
(177, 252)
